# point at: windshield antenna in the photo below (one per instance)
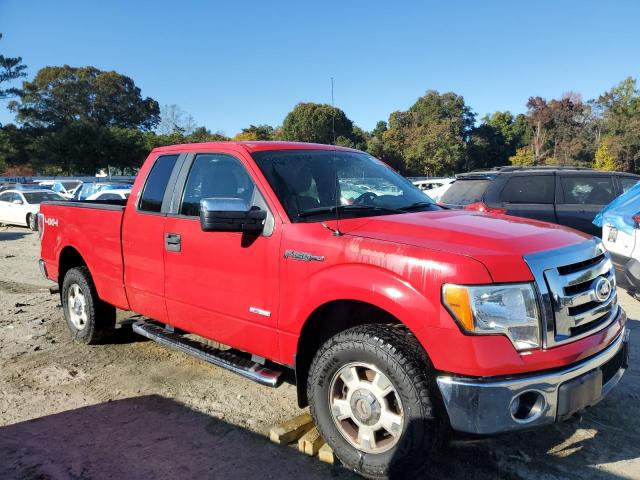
(335, 231)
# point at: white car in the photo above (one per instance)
(21, 207)
(434, 187)
(121, 194)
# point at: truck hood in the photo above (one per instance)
(498, 241)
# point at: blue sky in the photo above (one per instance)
(230, 64)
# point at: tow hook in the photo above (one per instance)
(54, 290)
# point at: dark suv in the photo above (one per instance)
(569, 196)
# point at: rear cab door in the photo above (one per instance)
(529, 195)
(143, 234)
(581, 196)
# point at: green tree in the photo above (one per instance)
(255, 132)
(59, 96)
(11, 68)
(431, 137)
(315, 122)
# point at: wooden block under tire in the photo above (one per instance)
(291, 430)
(310, 442)
(325, 454)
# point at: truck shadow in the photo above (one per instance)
(8, 235)
(148, 437)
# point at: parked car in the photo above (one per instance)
(564, 195)
(399, 319)
(434, 187)
(620, 223)
(66, 188)
(120, 194)
(90, 188)
(19, 207)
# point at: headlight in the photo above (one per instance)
(509, 310)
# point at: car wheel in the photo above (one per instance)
(32, 222)
(373, 397)
(89, 319)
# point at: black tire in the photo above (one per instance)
(100, 316)
(396, 353)
(32, 223)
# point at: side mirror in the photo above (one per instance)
(230, 215)
(17, 202)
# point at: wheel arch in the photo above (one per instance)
(326, 321)
(69, 258)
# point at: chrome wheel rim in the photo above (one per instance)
(77, 307)
(366, 407)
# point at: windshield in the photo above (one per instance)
(89, 189)
(465, 192)
(39, 197)
(305, 182)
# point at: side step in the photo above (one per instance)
(222, 358)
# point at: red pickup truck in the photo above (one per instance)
(401, 320)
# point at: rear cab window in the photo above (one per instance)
(587, 190)
(529, 189)
(156, 184)
(466, 191)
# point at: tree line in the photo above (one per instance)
(71, 120)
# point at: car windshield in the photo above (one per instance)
(306, 182)
(465, 192)
(70, 184)
(39, 197)
(89, 189)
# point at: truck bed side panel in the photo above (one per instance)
(94, 231)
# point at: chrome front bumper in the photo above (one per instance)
(493, 406)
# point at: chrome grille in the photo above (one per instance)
(566, 279)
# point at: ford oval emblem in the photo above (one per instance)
(602, 289)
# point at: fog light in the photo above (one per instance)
(527, 406)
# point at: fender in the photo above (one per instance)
(416, 304)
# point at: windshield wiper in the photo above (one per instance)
(346, 208)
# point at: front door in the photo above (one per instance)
(222, 285)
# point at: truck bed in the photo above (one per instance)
(93, 230)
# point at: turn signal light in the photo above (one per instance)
(457, 299)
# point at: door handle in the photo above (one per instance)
(172, 242)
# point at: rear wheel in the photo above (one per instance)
(89, 319)
(373, 399)
(32, 222)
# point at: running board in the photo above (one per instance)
(227, 359)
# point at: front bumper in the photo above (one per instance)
(627, 272)
(489, 406)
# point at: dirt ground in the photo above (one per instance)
(134, 409)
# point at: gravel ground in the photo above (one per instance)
(134, 409)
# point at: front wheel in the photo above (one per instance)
(89, 319)
(373, 399)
